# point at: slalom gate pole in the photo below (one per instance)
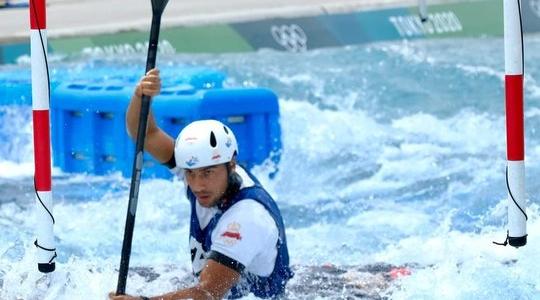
(46, 251)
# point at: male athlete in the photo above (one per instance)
(237, 237)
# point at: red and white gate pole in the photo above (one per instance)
(515, 141)
(46, 250)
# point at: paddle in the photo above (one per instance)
(157, 9)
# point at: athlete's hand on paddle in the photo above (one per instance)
(150, 84)
(112, 296)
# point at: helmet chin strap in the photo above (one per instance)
(234, 181)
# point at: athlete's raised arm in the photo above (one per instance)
(158, 143)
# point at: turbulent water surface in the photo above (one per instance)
(393, 154)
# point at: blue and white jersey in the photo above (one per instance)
(246, 234)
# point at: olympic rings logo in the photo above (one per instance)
(291, 37)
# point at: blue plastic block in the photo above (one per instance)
(250, 114)
(88, 127)
(89, 134)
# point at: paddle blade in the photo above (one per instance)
(158, 6)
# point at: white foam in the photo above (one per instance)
(363, 178)
(13, 170)
(459, 265)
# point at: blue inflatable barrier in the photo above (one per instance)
(89, 132)
(16, 86)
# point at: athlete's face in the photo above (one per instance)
(208, 183)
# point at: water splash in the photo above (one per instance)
(393, 152)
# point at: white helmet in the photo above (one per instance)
(204, 143)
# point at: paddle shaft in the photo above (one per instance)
(138, 161)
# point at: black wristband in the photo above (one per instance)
(144, 298)
(171, 164)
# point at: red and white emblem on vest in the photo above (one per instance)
(232, 235)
